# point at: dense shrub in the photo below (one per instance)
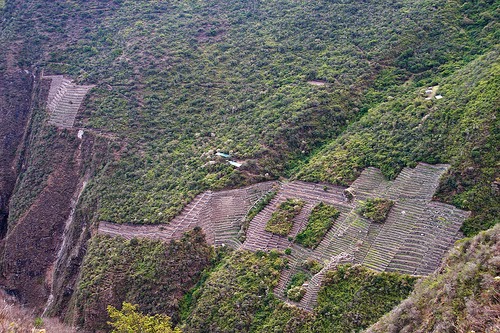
(281, 221)
(375, 209)
(318, 224)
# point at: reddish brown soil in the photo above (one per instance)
(32, 242)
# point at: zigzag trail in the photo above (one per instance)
(414, 238)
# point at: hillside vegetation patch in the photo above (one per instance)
(319, 222)
(354, 297)
(281, 221)
(376, 209)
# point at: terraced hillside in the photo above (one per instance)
(64, 100)
(413, 239)
(219, 214)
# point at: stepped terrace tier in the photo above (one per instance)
(413, 239)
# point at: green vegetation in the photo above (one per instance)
(129, 319)
(375, 209)
(179, 80)
(294, 290)
(318, 224)
(152, 274)
(237, 297)
(464, 294)
(232, 297)
(296, 293)
(354, 297)
(312, 265)
(256, 209)
(281, 222)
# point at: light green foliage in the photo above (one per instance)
(281, 221)
(375, 209)
(312, 265)
(296, 293)
(130, 320)
(353, 297)
(318, 224)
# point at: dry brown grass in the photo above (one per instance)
(15, 319)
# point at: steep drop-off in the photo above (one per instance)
(315, 90)
(463, 296)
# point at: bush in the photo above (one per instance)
(281, 222)
(376, 209)
(296, 293)
(128, 319)
(312, 265)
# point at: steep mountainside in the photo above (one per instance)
(461, 297)
(125, 112)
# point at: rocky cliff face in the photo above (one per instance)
(43, 172)
(15, 105)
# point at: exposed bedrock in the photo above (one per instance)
(41, 240)
(15, 104)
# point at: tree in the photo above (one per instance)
(129, 320)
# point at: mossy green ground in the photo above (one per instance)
(319, 222)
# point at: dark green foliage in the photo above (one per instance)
(233, 298)
(353, 297)
(297, 280)
(281, 222)
(375, 209)
(318, 224)
(152, 274)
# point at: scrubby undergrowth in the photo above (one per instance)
(464, 296)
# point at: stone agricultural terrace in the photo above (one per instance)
(413, 239)
(64, 100)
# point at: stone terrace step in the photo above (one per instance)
(64, 100)
(412, 240)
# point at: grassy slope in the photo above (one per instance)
(462, 297)
(461, 128)
(178, 80)
(236, 297)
